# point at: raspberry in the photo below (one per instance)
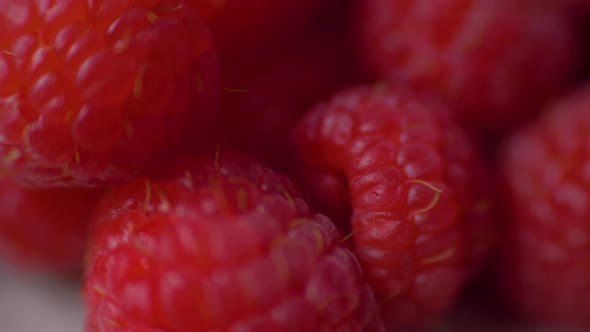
(236, 24)
(545, 266)
(420, 219)
(221, 244)
(92, 90)
(45, 228)
(269, 89)
(497, 61)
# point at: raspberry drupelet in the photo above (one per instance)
(421, 219)
(220, 243)
(496, 61)
(91, 91)
(546, 167)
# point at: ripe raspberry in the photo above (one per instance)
(269, 90)
(418, 222)
(546, 266)
(223, 245)
(92, 90)
(495, 60)
(45, 228)
(239, 23)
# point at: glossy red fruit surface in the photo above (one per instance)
(420, 216)
(91, 91)
(221, 244)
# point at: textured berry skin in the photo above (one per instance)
(45, 228)
(496, 60)
(418, 223)
(90, 91)
(546, 266)
(269, 89)
(222, 245)
(236, 24)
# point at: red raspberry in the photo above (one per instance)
(45, 228)
(495, 60)
(268, 90)
(223, 245)
(236, 24)
(410, 174)
(546, 167)
(92, 90)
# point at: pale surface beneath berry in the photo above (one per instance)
(35, 303)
